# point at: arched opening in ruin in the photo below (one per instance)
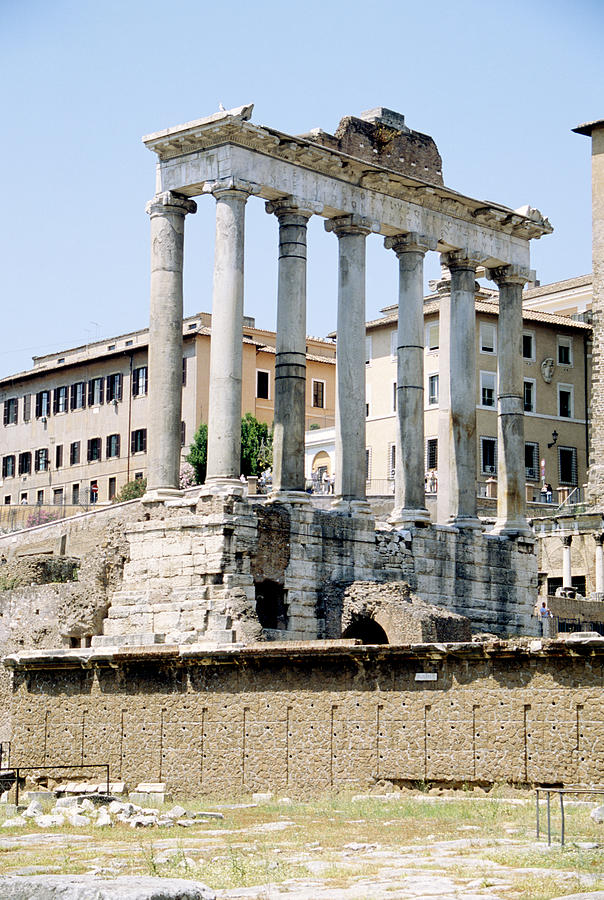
(271, 608)
(366, 630)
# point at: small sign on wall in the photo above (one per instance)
(426, 676)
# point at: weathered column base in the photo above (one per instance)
(467, 523)
(223, 487)
(294, 498)
(402, 517)
(161, 495)
(512, 528)
(351, 507)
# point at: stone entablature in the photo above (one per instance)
(310, 717)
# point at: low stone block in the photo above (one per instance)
(83, 887)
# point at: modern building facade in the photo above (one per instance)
(556, 384)
(75, 426)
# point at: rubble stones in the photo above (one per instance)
(86, 887)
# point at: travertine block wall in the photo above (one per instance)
(304, 718)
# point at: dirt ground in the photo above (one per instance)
(408, 844)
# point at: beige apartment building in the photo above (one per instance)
(74, 427)
(556, 353)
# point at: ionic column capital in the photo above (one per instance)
(456, 260)
(231, 185)
(504, 275)
(351, 224)
(412, 242)
(293, 206)
(170, 203)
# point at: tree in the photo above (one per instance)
(256, 448)
(198, 453)
(132, 490)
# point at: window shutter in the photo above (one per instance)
(117, 445)
(144, 436)
(73, 396)
(55, 401)
(119, 387)
(108, 446)
(38, 404)
(102, 389)
(89, 451)
(90, 392)
(6, 412)
(133, 443)
(27, 408)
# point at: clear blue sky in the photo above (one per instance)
(498, 85)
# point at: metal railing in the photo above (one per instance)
(561, 792)
(24, 515)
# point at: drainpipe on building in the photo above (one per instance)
(586, 393)
(129, 420)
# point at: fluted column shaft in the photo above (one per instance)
(599, 539)
(290, 358)
(457, 424)
(167, 212)
(511, 492)
(409, 488)
(567, 573)
(350, 448)
(224, 417)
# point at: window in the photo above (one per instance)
(74, 453)
(138, 476)
(42, 404)
(488, 456)
(565, 401)
(183, 434)
(59, 456)
(262, 384)
(113, 446)
(530, 388)
(318, 394)
(139, 381)
(23, 498)
(11, 411)
(7, 500)
(391, 460)
(114, 387)
(432, 336)
(40, 498)
(95, 391)
(139, 440)
(528, 346)
(367, 349)
(184, 370)
(394, 398)
(112, 488)
(27, 408)
(367, 400)
(57, 496)
(432, 390)
(78, 395)
(59, 404)
(565, 350)
(567, 465)
(8, 467)
(41, 460)
(488, 338)
(394, 343)
(487, 389)
(75, 494)
(25, 463)
(531, 461)
(368, 464)
(94, 449)
(432, 453)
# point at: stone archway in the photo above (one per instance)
(367, 630)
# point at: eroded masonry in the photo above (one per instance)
(215, 567)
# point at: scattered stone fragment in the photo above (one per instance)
(84, 887)
(66, 802)
(33, 810)
(49, 821)
(597, 814)
(17, 822)
(263, 797)
(78, 821)
(142, 821)
(103, 820)
(177, 812)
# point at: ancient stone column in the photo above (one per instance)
(567, 580)
(409, 487)
(511, 492)
(457, 421)
(224, 416)
(290, 358)
(350, 448)
(599, 539)
(167, 212)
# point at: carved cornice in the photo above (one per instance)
(233, 127)
(170, 203)
(412, 242)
